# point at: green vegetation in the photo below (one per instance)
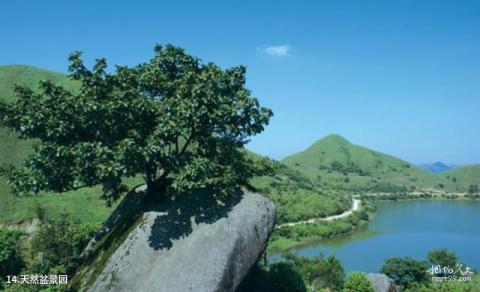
(442, 257)
(299, 196)
(406, 271)
(461, 179)
(296, 274)
(414, 276)
(472, 285)
(338, 164)
(28, 76)
(278, 277)
(179, 122)
(291, 236)
(296, 196)
(357, 282)
(13, 150)
(11, 262)
(473, 189)
(60, 240)
(333, 158)
(53, 249)
(92, 134)
(81, 204)
(317, 182)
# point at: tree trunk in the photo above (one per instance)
(158, 185)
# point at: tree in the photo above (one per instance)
(174, 119)
(472, 189)
(405, 271)
(442, 257)
(333, 274)
(357, 282)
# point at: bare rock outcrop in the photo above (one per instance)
(196, 243)
(382, 283)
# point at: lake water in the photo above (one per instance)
(407, 228)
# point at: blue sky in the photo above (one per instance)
(401, 77)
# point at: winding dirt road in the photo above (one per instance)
(355, 207)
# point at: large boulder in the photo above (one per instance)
(197, 243)
(382, 283)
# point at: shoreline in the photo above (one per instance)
(284, 243)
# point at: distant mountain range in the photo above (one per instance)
(436, 167)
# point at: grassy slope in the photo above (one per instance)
(460, 178)
(336, 163)
(83, 204)
(296, 196)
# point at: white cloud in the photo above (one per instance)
(277, 51)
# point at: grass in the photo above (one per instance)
(303, 234)
(82, 205)
(298, 198)
(461, 178)
(300, 235)
(336, 163)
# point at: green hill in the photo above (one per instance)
(296, 196)
(461, 178)
(11, 75)
(336, 163)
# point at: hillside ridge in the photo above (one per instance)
(337, 163)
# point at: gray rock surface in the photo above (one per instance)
(382, 283)
(196, 244)
(27, 226)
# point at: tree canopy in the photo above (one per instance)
(443, 258)
(172, 117)
(406, 271)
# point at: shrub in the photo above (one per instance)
(333, 274)
(318, 272)
(57, 245)
(472, 189)
(442, 257)
(405, 271)
(357, 282)
(11, 262)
